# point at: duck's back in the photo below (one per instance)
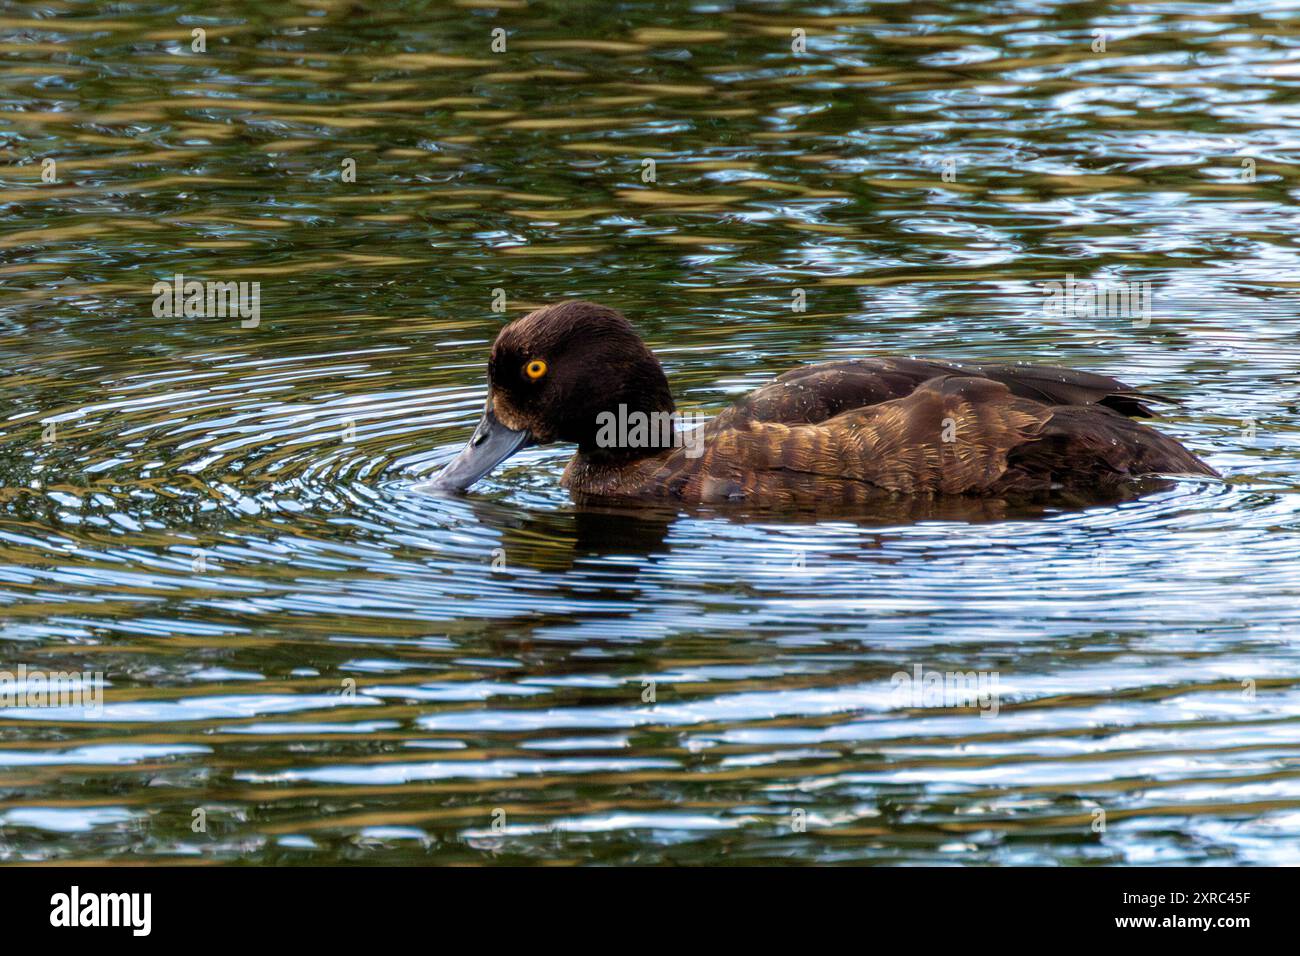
(852, 431)
(815, 393)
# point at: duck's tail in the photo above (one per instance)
(1081, 443)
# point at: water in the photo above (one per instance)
(308, 662)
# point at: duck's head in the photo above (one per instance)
(550, 376)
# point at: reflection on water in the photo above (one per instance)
(334, 667)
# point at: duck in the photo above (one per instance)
(844, 432)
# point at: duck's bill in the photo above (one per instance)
(491, 444)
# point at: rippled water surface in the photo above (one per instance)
(333, 667)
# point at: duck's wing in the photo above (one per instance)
(952, 435)
(816, 393)
(1067, 386)
(955, 435)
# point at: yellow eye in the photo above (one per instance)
(535, 369)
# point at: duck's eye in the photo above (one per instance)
(535, 369)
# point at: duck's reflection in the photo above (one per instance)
(595, 532)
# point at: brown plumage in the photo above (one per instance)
(836, 433)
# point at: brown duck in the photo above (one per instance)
(844, 432)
